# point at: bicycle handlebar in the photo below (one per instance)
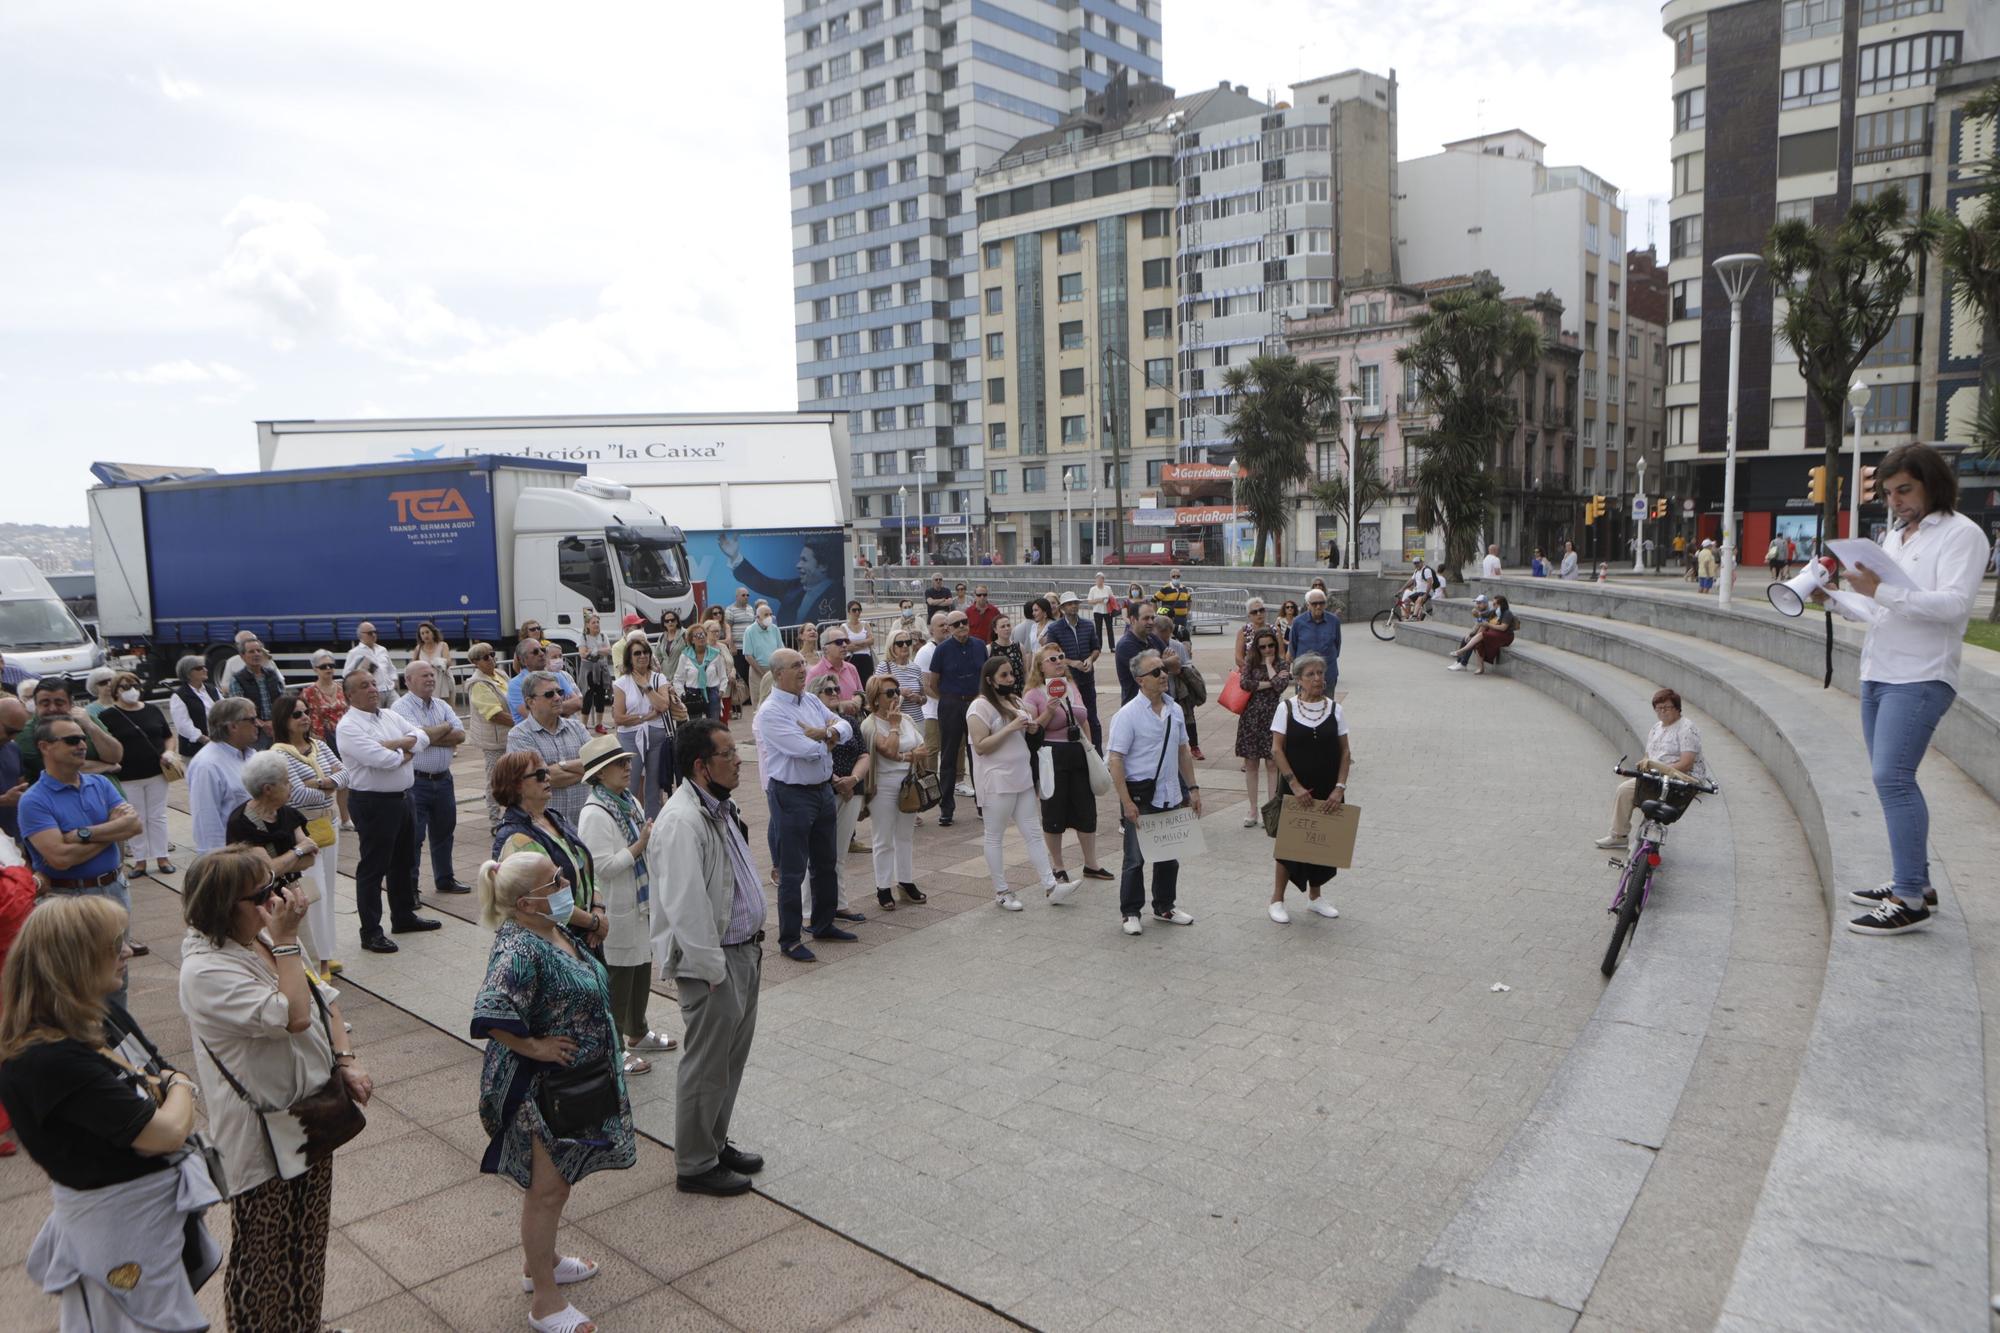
(1666, 778)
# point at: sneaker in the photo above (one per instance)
(1174, 918)
(1609, 843)
(1059, 892)
(1321, 907)
(963, 789)
(1132, 925)
(1876, 897)
(1007, 902)
(1280, 915)
(1891, 918)
(1456, 665)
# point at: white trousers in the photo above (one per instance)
(149, 801)
(323, 874)
(895, 837)
(846, 819)
(1024, 809)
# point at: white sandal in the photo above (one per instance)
(569, 1269)
(566, 1320)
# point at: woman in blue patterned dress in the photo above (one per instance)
(545, 1003)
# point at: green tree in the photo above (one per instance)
(1331, 497)
(1281, 404)
(1843, 288)
(1969, 249)
(1471, 350)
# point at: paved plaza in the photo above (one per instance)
(1235, 1124)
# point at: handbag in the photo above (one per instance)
(1274, 809)
(1192, 687)
(575, 1099)
(328, 1114)
(1100, 772)
(319, 830)
(920, 790)
(1234, 697)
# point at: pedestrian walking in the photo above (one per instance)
(379, 747)
(434, 798)
(1309, 742)
(1152, 769)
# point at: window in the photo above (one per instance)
(1034, 478)
(823, 349)
(1686, 296)
(1684, 237)
(847, 303)
(996, 480)
(1891, 410)
(1069, 240)
(1590, 287)
(996, 391)
(1809, 85)
(993, 299)
(1883, 136)
(1688, 172)
(882, 339)
(913, 415)
(1159, 323)
(992, 254)
(823, 387)
(913, 333)
(1155, 223)
(906, 210)
(1691, 44)
(906, 86)
(1072, 382)
(1908, 62)
(1070, 334)
(1811, 18)
(1801, 209)
(913, 460)
(1683, 363)
(850, 344)
(1886, 11)
(1690, 109)
(1371, 386)
(882, 379)
(913, 375)
(1591, 243)
(1916, 191)
(878, 218)
(996, 345)
(1072, 430)
(1899, 347)
(996, 435)
(1069, 287)
(1813, 151)
(885, 418)
(885, 463)
(1159, 422)
(874, 95)
(1157, 273)
(1159, 372)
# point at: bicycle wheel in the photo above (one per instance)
(1629, 907)
(1384, 625)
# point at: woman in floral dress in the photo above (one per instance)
(545, 1003)
(1265, 676)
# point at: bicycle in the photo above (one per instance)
(1635, 886)
(1385, 622)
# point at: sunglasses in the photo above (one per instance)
(549, 694)
(328, 666)
(262, 896)
(78, 741)
(954, 624)
(1156, 671)
(540, 775)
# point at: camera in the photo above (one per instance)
(289, 878)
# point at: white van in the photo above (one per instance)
(38, 633)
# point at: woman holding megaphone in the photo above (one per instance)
(1909, 663)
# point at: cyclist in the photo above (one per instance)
(1672, 746)
(1416, 595)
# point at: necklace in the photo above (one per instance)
(1314, 713)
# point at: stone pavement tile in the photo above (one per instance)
(429, 1098)
(672, 1235)
(1433, 1301)
(464, 1133)
(353, 1280)
(799, 1278)
(399, 1314)
(1671, 1266)
(664, 1310)
(487, 1295)
(925, 1307)
(440, 1233)
(371, 1178)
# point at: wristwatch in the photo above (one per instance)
(83, 834)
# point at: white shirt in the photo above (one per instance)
(1138, 733)
(377, 661)
(371, 766)
(1490, 566)
(1097, 595)
(1922, 636)
(1313, 715)
(923, 664)
(436, 758)
(1666, 743)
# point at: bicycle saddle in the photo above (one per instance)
(1661, 811)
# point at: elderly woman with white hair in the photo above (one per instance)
(188, 705)
(270, 822)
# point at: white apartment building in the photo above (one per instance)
(1491, 203)
(893, 107)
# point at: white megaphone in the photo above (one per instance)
(1790, 597)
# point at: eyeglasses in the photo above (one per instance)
(1156, 671)
(549, 694)
(955, 624)
(540, 775)
(328, 666)
(262, 896)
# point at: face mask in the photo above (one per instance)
(562, 905)
(1008, 687)
(128, 696)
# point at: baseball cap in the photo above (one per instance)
(1480, 598)
(631, 619)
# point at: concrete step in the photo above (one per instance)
(1912, 1195)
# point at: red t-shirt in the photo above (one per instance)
(981, 620)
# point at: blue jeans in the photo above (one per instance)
(436, 805)
(1132, 878)
(1905, 716)
(802, 826)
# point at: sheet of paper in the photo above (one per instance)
(1171, 835)
(1869, 555)
(1854, 606)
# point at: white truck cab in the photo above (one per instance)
(38, 633)
(595, 546)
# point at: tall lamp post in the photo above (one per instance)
(1735, 272)
(1639, 528)
(1350, 404)
(903, 508)
(1069, 524)
(1857, 401)
(923, 457)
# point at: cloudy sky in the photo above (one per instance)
(213, 212)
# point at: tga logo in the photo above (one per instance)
(445, 505)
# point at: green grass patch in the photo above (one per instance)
(1984, 633)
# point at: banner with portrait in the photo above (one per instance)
(801, 572)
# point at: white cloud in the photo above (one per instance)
(176, 90)
(185, 371)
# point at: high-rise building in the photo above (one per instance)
(1645, 364)
(1076, 308)
(1965, 147)
(894, 106)
(1490, 204)
(1792, 109)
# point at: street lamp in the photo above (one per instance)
(1857, 399)
(1639, 531)
(922, 457)
(1735, 272)
(1350, 404)
(1069, 525)
(903, 508)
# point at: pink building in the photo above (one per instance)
(1537, 502)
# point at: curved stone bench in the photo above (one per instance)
(1969, 735)
(1875, 1210)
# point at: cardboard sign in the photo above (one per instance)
(1317, 837)
(1170, 835)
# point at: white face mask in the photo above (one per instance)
(128, 696)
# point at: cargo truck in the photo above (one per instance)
(475, 545)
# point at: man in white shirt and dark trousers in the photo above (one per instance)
(795, 735)
(370, 654)
(432, 795)
(1909, 664)
(1490, 565)
(378, 748)
(1152, 768)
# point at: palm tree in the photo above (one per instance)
(1281, 404)
(1969, 248)
(1471, 350)
(1843, 288)
(1372, 489)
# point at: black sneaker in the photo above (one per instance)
(1875, 897)
(1891, 918)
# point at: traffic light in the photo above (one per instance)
(1660, 507)
(1867, 495)
(1593, 510)
(1816, 489)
